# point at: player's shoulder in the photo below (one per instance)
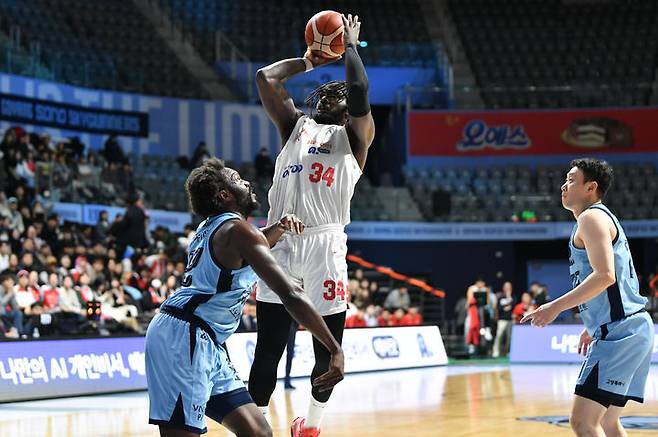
(240, 230)
(595, 220)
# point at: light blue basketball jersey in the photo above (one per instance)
(620, 299)
(208, 290)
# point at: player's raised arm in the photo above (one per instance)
(254, 248)
(359, 121)
(277, 102)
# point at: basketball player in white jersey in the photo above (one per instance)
(320, 163)
(619, 334)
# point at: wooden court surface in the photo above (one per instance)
(440, 401)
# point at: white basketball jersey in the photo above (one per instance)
(314, 175)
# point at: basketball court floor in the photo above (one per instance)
(474, 400)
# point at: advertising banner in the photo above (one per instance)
(25, 110)
(531, 132)
(149, 124)
(57, 368)
(552, 344)
(366, 349)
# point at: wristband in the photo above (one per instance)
(308, 63)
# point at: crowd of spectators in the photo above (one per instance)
(64, 278)
(486, 317)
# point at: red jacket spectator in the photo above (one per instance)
(356, 321)
(412, 318)
(522, 307)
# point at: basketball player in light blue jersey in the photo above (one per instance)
(619, 334)
(188, 372)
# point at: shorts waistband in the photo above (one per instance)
(604, 327)
(322, 228)
(194, 320)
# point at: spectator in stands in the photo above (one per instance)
(5, 254)
(130, 230)
(51, 292)
(114, 305)
(15, 217)
(362, 300)
(371, 316)
(102, 228)
(263, 164)
(385, 319)
(504, 326)
(113, 152)
(186, 238)
(539, 294)
(356, 320)
(412, 318)
(398, 315)
(398, 298)
(200, 155)
(476, 297)
(25, 295)
(523, 307)
(248, 321)
(50, 233)
(10, 313)
(70, 300)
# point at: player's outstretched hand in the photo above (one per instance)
(584, 342)
(351, 29)
(319, 60)
(334, 375)
(542, 316)
(292, 223)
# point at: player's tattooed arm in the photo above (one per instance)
(276, 101)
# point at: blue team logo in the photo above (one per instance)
(422, 346)
(324, 148)
(629, 422)
(385, 347)
(291, 169)
(250, 349)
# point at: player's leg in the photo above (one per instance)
(611, 423)
(586, 415)
(230, 403)
(173, 432)
(273, 328)
(336, 324)
(247, 421)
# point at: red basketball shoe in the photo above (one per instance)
(297, 429)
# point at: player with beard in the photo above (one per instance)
(320, 163)
(189, 375)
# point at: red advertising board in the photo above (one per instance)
(506, 133)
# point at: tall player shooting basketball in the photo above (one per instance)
(315, 174)
(618, 331)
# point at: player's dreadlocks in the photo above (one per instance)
(336, 88)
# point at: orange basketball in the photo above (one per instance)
(324, 34)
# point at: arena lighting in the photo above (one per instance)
(363, 44)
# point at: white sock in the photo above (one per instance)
(266, 412)
(315, 413)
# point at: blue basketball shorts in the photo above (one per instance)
(189, 377)
(617, 364)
